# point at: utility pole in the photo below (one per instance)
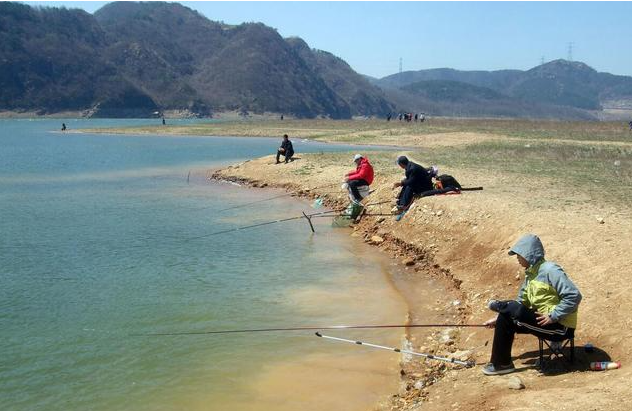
(542, 60)
(400, 64)
(570, 51)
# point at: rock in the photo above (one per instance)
(461, 355)
(419, 385)
(439, 213)
(381, 220)
(515, 383)
(408, 261)
(600, 220)
(376, 239)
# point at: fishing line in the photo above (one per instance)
(309, 328)
(261, 200)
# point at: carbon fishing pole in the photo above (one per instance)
(467, 364)
(269, 199)
(311, 328)
(306, 216)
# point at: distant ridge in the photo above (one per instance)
(137, 59)
(557, 89)
(133, 59)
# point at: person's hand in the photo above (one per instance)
(490, 323)
(543, 319)
(346, 179)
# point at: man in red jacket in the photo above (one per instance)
(362, 176)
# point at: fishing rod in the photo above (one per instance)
(311, 328)
(269, 199)
(467, 364)
(230, 230)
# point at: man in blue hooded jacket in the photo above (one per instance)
(546, 305)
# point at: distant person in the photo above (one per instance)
(163, 121)
(63, 126)
(281, 116)
(416, 117)
(422, 117)
(361, 176)
(546, 306)
(286, 149)
(388, 118)
(630, 123)
(417, 180)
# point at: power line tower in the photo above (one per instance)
(542, 60)
(570, 51)
(400, 64)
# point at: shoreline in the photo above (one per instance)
(456, 241)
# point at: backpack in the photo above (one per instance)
(445, 181)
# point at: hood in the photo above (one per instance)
(529, 247)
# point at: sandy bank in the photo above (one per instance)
(461, 241)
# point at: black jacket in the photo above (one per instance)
(287, 145)
(417, 178)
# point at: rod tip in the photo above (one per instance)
(318, 334)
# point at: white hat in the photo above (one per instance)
(357, 157)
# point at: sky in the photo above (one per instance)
(373, 36)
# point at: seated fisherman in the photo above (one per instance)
(546, 306)
(361, 176)
(417, 181)
(286, 149)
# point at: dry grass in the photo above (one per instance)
(594, 158)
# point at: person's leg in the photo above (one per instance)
(405, 198)
(279, 152)
(503, 341)
(353, 187)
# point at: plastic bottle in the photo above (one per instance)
(604, 365)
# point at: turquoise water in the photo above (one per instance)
(98, 244)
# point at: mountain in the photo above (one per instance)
(50, 60)
(562, 88)
(137, 58)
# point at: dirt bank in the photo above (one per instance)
(462, 241)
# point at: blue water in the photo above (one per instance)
(103, 238)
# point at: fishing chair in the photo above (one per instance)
(556, 350)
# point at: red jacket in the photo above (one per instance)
(364, 171)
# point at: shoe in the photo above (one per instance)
(495, 305)
(490, 369)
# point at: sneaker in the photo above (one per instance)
(495, 305)
(490, 369)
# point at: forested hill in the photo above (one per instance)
(558, 89)
(133, 59)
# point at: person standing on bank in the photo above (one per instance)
(361, 176)
(546, 306)
(416, 182)
(286, 149)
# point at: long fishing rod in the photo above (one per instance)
(468, 364)
(230, 230)
(268, 199)
(311, 328)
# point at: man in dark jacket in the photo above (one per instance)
(286, 149)
(416, 182)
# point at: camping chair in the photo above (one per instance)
(556, 350)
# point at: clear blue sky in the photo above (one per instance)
(372, 36)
